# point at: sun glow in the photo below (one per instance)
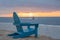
(25, 14)
(30, 14)
(33, 14)
(40, 14)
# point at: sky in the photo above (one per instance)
(29, 8)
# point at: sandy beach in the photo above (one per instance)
(45, 32)
(3, 36)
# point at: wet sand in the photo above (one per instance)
(3, 36)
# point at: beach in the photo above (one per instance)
(29, 19)
(3, 36)
(45, 32)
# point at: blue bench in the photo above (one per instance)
(19, 26)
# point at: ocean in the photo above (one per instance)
(47, 26)
(40, 20)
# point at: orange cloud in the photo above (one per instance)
(5, 15)
(40, 14)
(34, 14)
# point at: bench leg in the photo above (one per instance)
(36, 30)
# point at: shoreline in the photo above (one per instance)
(4, 36)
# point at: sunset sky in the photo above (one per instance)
(30, 8)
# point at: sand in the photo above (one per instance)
(3, 36)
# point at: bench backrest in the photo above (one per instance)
(16, 18)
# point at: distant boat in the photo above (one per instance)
(33, 18)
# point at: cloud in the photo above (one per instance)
(29, 5)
